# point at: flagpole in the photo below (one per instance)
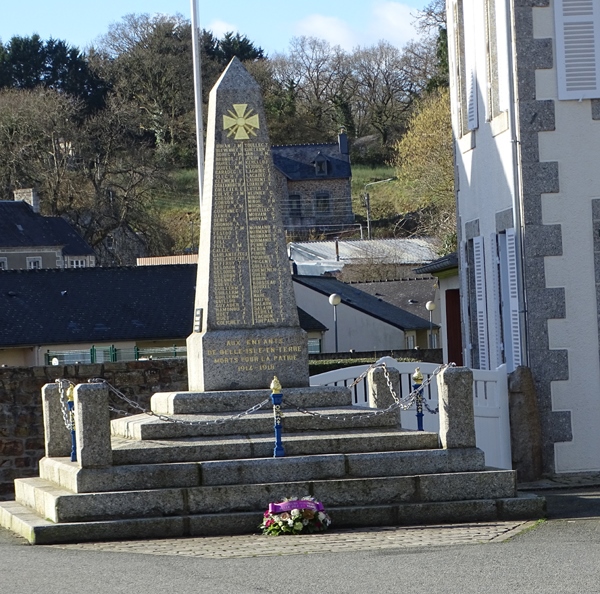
(198, 97)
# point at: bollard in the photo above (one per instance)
(418, 387)
(276, 398)
(71, 409)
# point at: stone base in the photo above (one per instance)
(247, 359)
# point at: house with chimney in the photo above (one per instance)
(30, 241)
(314, 185)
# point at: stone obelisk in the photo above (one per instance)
(246, 327)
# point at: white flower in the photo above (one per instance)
(321, 516)
(296, 513)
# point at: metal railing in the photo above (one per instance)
(113, 354)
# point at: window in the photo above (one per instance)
(34, 263)
(321, 165)
(314, 346)
(322, 202)
(295, 206)
(577, 25)
(3, 264)
(410, 341)
(77, 264)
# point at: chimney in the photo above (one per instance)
(343, 142)
(30, 196)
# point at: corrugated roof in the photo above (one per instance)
(69, 306)
(297, 161)
(20, 226)
(392, 251)
(362, 301)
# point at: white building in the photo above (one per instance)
(525, 88)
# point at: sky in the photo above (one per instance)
(269, 24)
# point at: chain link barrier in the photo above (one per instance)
(66, 386)
(167, 418)
(65, 391)
(399, 403)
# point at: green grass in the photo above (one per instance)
(384, 197)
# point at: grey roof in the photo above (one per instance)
(20, 226)
(316, 257)
(363, 302)
(446, 263)
(410, 294)
(69, 306)
(297, 161)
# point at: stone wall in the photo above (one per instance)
(21, 425)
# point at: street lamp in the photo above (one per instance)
(430, 306)
(335, 300)
(368, 201)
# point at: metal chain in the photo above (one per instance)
(63, 387)
(399, 403)
(168, 419)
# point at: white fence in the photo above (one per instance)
(490, 401)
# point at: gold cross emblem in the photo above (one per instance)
(240, 122)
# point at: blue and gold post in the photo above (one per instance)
(276, 398)
(418, 387)
(71, 409)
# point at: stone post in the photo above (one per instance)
(457, 418)
(57, 438)
(525, 428)
(92, 426)
(379, 395)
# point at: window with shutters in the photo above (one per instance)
(577, 26)
(480, 303)
(492, 59)
(509, 293)
(465, 52)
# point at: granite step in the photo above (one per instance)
(68, 475)
(60, 505)
(37, 530)
(181, 403)
(197, 449)
(146, 427)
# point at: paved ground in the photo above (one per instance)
(558, 556)
(365, 539)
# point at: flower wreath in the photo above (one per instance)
(295, 516)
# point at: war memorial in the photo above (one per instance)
(206, 461)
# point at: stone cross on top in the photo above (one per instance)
(246, 327)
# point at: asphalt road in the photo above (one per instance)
(558, 556)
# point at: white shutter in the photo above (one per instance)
(480, 295)
(577, 24)
(470, 35)
(464, 309)
(496, 300)
(513, 292)
(502, 29)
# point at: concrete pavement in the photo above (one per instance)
(559, 555)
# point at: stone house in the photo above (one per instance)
(525, 95)
(314, 183)
(29, 240)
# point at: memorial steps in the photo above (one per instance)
(220, 480)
